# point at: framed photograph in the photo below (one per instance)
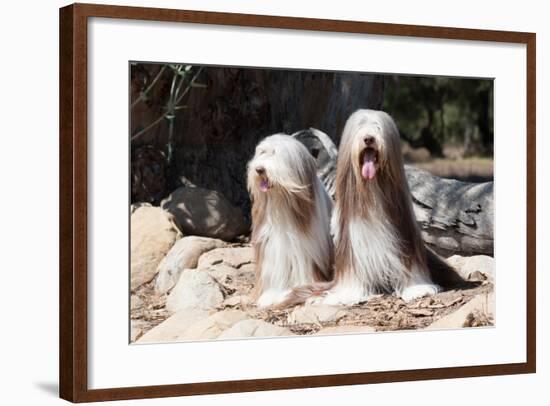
(254, 202)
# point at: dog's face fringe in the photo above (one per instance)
(370, 180)
(282, 173)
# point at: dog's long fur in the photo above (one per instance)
(378, 246)
(378, 243)
(290, 219)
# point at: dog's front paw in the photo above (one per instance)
(272, 297)
(334, 299)
(417, 291)
(344, 297)
(316, 300)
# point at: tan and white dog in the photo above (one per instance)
(290, 219)
(378, 246)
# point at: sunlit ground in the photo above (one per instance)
(453, 165)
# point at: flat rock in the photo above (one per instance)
(254, 328)
(222, 273)
(184, 254)
(316, 314)
(345, 330)
(195, 290)
(468, 266)
(214, 325)
(235, 281)
(137, 327)
(174, 327)
(205, 213)
(153, 232)
(234, 257)
(477, 312)
(135, 206)
(251, 267)
(238, 300)
(135, 302)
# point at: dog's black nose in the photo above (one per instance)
(369, 140)
(260, 170)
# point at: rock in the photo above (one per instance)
(316, 314)
(420, 312)
(135, 302)
(239, 300)
(137, 327)
(174, 327)
(345, 330)
(214, 325)
(254, 328)
(183, 255)
(135, 206)
(251, 267)
(205, 213)
(195, 290)
(231, 256)
(477, 276)
(153, 232)
(233, 280)
(477, 312)
(468, 266)
(222, 273)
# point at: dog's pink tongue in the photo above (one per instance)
(264, 185)
(368, 171)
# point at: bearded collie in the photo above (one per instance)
(290, 219)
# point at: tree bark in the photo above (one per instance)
(215, 136)
(455, 217)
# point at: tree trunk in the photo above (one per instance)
(215, 136)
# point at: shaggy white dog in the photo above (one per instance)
(378, 247)
(290, 219)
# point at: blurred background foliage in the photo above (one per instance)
(446, 124)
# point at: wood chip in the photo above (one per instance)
(455, 301)
(420, 312)
(437, 306)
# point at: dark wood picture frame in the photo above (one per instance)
(73, 362)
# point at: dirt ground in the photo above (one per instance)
(381, 313)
